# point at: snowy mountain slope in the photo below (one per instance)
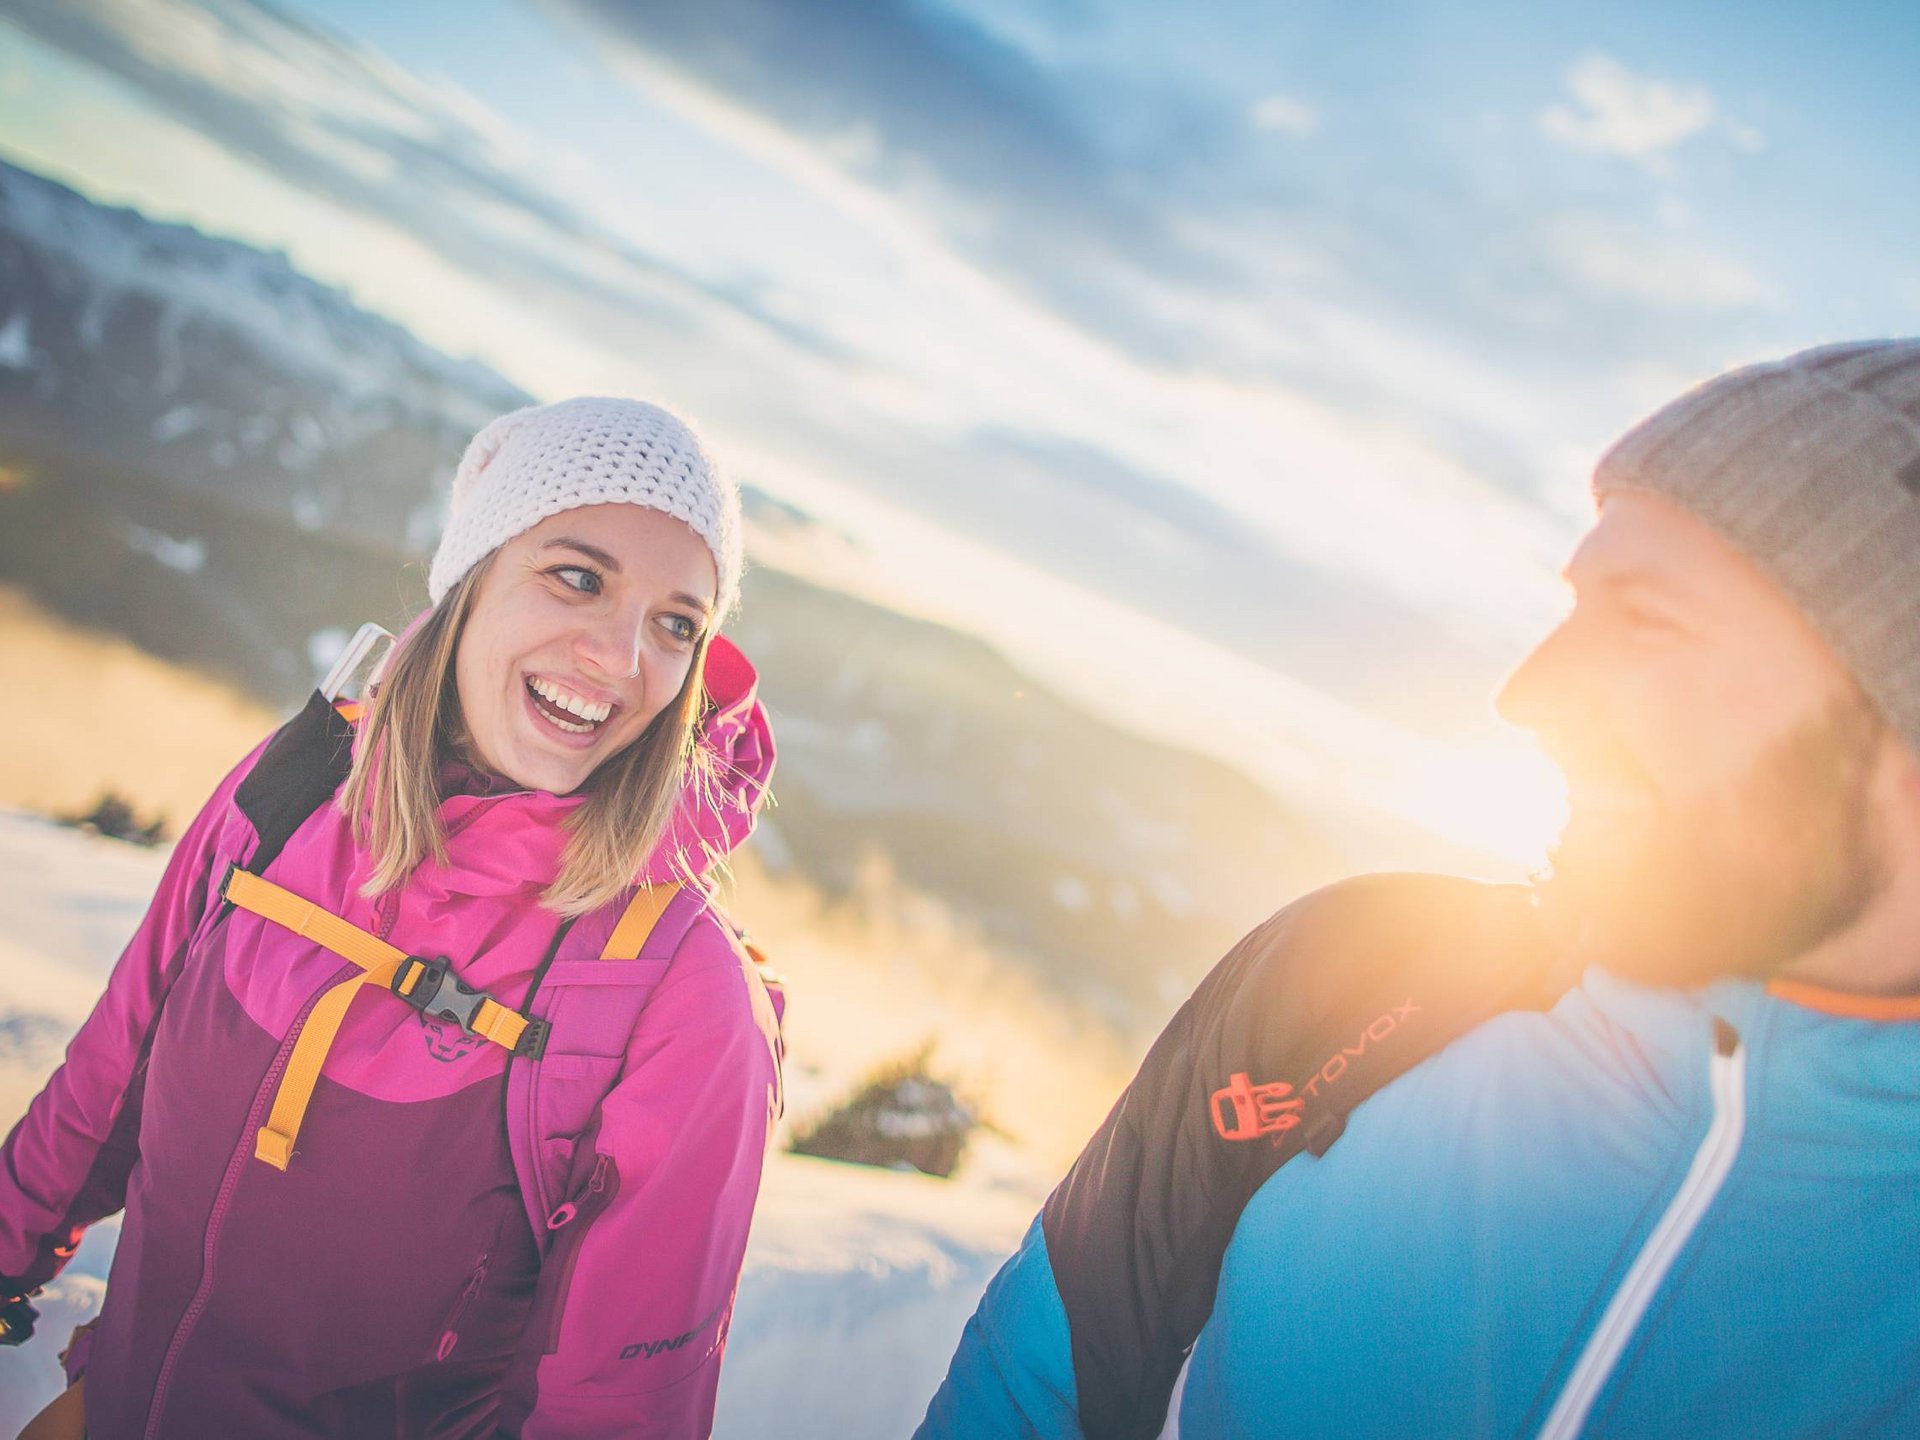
(198, 279)
(213, 366)
(858, 1281)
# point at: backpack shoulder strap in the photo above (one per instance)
(295, 775)
(1313, 1012)
(639, 920)
(649, 925)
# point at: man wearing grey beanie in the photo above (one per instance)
(1634, 1150)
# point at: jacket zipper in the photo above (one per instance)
(223, 1198)
(386, 910)
(542, 1200)
(450, 1331)
(1727, 1080)
(573, 1212)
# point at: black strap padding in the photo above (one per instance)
(1322, 1005)
(295, 775)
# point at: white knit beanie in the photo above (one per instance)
(540, 461)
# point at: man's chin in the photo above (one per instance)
(1625, 941)
(1690, 924)
(1643, 916)
(1735, 881)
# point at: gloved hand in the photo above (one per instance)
(16, 1313)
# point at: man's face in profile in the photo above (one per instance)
(1719, 758)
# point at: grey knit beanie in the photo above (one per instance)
(1811, 466)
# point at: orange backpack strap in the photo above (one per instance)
(643, 912)
(642, 915)
(428, 985)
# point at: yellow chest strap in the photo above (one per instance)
(430, 986)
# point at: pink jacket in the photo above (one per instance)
(464, 1243)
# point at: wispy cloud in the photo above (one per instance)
(1171, 236)
(1285, 115)
(1616, 112)
(1002, 156)
(344, 123)
(1609, 260)
(1159, 214)
(907, 93)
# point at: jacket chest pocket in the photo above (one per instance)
(591, 1007)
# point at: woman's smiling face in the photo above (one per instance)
(583, 629)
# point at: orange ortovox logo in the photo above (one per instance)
(1243, 1110)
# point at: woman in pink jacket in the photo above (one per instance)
(434, 1087)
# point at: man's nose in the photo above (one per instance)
(1540, 692)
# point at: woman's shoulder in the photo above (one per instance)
(714, 971)
(711, 944)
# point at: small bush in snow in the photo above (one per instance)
(113, 815)
(900, 1115)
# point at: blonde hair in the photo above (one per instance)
(414, 724)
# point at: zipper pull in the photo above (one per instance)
(1726, 1039)
(564, 1215)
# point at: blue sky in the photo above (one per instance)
(1237, 366)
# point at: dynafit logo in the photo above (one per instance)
(447, 1043)
(647, 1349)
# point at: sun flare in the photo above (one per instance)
(1506, 799)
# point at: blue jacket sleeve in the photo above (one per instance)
(1013, 1372)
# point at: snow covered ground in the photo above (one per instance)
(858, 1281)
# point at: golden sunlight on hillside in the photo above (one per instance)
(872, 976)
(91, 712)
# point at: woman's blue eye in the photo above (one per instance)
(684, 630)
(578, 577)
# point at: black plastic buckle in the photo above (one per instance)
(439, 993)
(533, 1039)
